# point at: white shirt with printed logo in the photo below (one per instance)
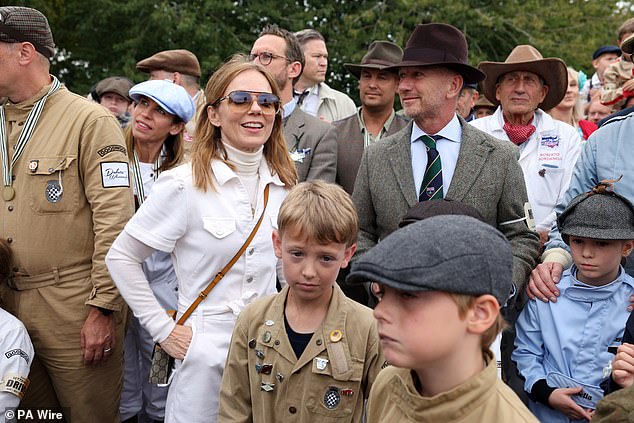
(547, 160)
(15, 362)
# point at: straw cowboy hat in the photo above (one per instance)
(380, 55)
(437, 44)
(528, 59)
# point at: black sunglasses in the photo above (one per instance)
(241, 101)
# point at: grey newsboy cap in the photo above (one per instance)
(456, 254)
(605, 215)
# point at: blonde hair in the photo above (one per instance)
(320, 211)
(173, 144)
(207, 144)
(464, 303)
(577, 110)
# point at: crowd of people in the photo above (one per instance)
(265, 250)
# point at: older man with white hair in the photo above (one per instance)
(523, 86)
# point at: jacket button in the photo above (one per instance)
(9, 240)
(250, 279)
(251, 251)
(10, 208)
(292, 410)
(277, 342)
(318, 342)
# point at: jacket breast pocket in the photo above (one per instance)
(219, 227)
(334, 398)
(53, 184)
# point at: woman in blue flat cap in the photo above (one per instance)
(154, 142)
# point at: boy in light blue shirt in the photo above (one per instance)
(565, 349)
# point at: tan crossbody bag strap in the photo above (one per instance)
(229, 265)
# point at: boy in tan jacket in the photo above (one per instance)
(440, 284)
(307, 354)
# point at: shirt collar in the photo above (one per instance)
(288, 108)
(386, 125)
(451, 132)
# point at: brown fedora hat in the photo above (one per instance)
(483, 101)
(438, 44)
(380, 55)
(528, 59)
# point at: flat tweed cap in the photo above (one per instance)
(183, 61)
(599, 216)
(19, 24)
(115, 84)
(456, 254)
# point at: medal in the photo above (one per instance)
(8, 193)
(25, 135)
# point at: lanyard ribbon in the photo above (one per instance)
(25, 135)
(137, 178)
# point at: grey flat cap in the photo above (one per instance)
(605, 215)
(456, 254)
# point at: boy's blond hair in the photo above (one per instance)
(464, 303)
(320, 211)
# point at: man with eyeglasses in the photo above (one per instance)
(314, 96)
(181, 67)
(311, 143)
(524, 86)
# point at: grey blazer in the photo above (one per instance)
(487, 177)
(303, 131)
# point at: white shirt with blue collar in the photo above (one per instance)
(448, 147)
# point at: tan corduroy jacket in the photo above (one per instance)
(482, 398)
(77, 147)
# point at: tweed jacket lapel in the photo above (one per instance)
(294, 129)
(474, 152)
(400, 157)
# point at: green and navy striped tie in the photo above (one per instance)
(431, 188)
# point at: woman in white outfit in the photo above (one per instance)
(202, 213)
(155, 144)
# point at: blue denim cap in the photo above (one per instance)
(170, 96)
(455, 254)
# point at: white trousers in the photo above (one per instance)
(195, 386)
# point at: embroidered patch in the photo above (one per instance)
(550, 141)
(332, 398)
(19, 352)
(53, 191)
(110, 148)
(115, 174)
(14, 384)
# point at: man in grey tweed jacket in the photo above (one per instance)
(478, 169)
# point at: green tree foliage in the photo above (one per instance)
(98, 38)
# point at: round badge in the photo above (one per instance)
(332, 398)
(336, 335)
